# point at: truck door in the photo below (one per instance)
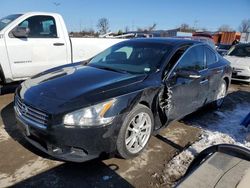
(43, 48)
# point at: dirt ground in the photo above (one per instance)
(22, 165)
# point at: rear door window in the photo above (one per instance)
(193, 59)
(211, 57)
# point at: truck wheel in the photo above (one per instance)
(135, 132)
(221, 94)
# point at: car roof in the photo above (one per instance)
(168, 41)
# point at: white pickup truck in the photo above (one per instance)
(33, 42)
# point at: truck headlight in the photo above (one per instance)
(89, 116)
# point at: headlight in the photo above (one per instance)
(93, 115)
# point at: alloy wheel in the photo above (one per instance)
(221, 94)
(138, 132)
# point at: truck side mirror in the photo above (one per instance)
(20, 32)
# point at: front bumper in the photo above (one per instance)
(72, 144)
(241, 74)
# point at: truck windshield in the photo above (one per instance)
(131, 57)
(7, 20)
(240, 51)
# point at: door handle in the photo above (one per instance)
(203, 82)
(194, 76)
(58, 44)
(219, 71)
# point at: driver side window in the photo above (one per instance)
(192, 60)
(40, 27)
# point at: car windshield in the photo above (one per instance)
(133, 57)
(240, 51)
(7, 20)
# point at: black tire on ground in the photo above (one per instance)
(121, 145)
(218, 102)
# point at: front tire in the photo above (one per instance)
(135, 132)
(1, 89)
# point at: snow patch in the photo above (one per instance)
(226, 129)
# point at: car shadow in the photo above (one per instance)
(209, 118)
(9, 88)
(170, 142)
(90, 174)
(240, 83)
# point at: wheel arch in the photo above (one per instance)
(160, 118)
(227, 80)
(145, 103)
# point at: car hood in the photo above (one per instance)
(238, 61)
(74, 84)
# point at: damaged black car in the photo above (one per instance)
(122, 96)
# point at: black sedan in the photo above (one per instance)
(115, 102)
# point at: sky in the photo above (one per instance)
(167, 14)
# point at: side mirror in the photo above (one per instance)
(223, 53)
(20, 32)
(190, 74)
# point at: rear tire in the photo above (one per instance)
(221, 94)
(135, 132)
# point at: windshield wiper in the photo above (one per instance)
(114, 70)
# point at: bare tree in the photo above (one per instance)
(225, 28)
(87, 32)
(120, 32)
(245, 26)
(126, 29)
(103, 25)
(186, 28)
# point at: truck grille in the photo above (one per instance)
(31, 113)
